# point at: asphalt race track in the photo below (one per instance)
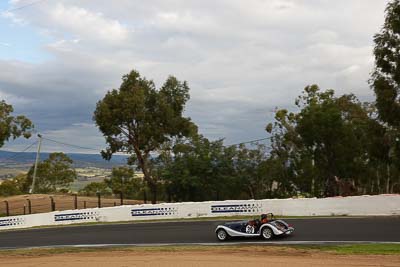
(372, 229)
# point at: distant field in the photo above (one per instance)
(78, 185)
(13, 172)
(41, 203)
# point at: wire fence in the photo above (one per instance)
(32, 204)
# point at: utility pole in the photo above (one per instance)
(36, 164)
(313, 170)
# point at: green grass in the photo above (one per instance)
(364, 249)
(78, 185)
(37, 252)
(63, 250)
(367, 249)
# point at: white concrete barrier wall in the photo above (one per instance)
(348, 206)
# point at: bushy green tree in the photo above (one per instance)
(327, 143)
(93, 188)
(139, 119)
(12, 127)
(386, 84)
(9, 188)
(386, 76)
(123, 181)
(53, 174)
(197, 169)
(251, 171)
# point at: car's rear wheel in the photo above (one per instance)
(222, 235)
(267, 233)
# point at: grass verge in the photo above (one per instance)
(368, 249)
(364, 249)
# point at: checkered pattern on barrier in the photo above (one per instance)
(154, 211)
(240, 208)
(90, 215)
(12, 222)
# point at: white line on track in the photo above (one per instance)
(208, 244)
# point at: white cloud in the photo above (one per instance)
(14, 18)
(241, 58)
(13, 99)
(15, 2)
(323, 36)
(86, 24)
(90, 141)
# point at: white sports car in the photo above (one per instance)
(267, 227)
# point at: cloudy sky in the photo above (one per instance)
(241, 58)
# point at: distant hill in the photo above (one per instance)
(80, 160)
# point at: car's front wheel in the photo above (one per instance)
(222, 235)
(267, 233)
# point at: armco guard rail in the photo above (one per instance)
(338, 206)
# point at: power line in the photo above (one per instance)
(24, 6)
(97, 149)
(17, 153)
(71, 145)
(251, 141)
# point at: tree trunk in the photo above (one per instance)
(153, 189)
(371, 189)
(392, 188)
(251, 191)
(169, 196)
(268, 190)
(142, 160)
(378, 185)
(217, 194)
(388, 179)
(330, 187)
(312, 187)
(144, 196)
